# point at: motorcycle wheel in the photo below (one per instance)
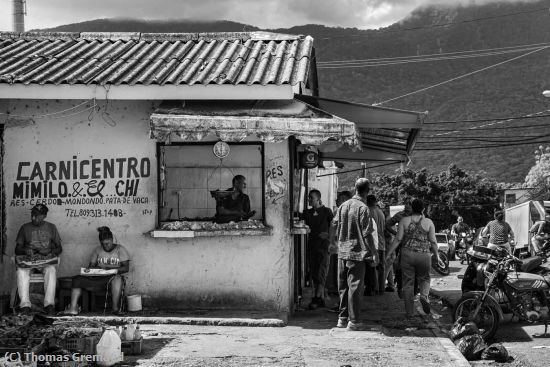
(487, 319)
(441, 270)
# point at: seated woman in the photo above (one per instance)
(107, 256)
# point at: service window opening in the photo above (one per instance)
(190, 173)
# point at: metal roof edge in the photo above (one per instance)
(137, 36)
(146, 92)
(422, 115)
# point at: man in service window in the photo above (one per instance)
(234, 205)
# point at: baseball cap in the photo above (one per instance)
(40, 208)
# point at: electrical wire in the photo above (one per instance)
(461, 76)
(380, 59)
(359, 169)
(530, 116)
(466, 137)
(482, 140)
(53, 113)
(462, 205)
(472, 147)
(545, 124)
(418, 60)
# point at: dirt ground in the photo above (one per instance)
(309, 339)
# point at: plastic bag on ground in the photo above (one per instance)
(495, 352)
(458, 331)
(471, 347)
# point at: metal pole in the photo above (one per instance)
(18, 16)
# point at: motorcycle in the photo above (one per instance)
(506, 291)
(463, 242)
(473, 279)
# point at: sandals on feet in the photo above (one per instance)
(68, 313)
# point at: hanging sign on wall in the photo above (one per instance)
(309, 158)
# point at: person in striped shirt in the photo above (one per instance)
(499, 231)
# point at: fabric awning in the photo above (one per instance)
(234, 121)
(385, 134)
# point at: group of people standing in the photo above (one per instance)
(365, 242)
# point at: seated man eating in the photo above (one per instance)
(108, 256)
(234, 207)
(38, 247)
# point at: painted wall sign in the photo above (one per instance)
(274, 180)
(98, 181)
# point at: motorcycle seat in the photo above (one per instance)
(529, 264)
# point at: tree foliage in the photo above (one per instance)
(539, 175)
(446, 194)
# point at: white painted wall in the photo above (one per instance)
(239, 272)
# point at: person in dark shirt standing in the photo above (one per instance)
(236, 206)
(318, 218)
(375, 281)
(37, 238)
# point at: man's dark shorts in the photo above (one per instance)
(318, 260)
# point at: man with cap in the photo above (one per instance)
(37, 238)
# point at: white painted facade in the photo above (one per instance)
(246, 272)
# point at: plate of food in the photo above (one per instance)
(97, 272)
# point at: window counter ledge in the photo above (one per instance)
(160, 233)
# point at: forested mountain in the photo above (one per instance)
(511, 89)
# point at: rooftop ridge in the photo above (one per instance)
(138, 36)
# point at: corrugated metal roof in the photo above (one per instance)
(154, 58)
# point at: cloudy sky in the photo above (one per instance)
(262, 13)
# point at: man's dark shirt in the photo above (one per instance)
(318, 221)
(241, 204)
(43, 238)
(460, 227)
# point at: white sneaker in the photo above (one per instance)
(342, 322)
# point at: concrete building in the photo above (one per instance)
(135, 131)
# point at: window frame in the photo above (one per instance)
(159, 146)
(510, 198)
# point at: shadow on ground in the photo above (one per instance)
(150, 348)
